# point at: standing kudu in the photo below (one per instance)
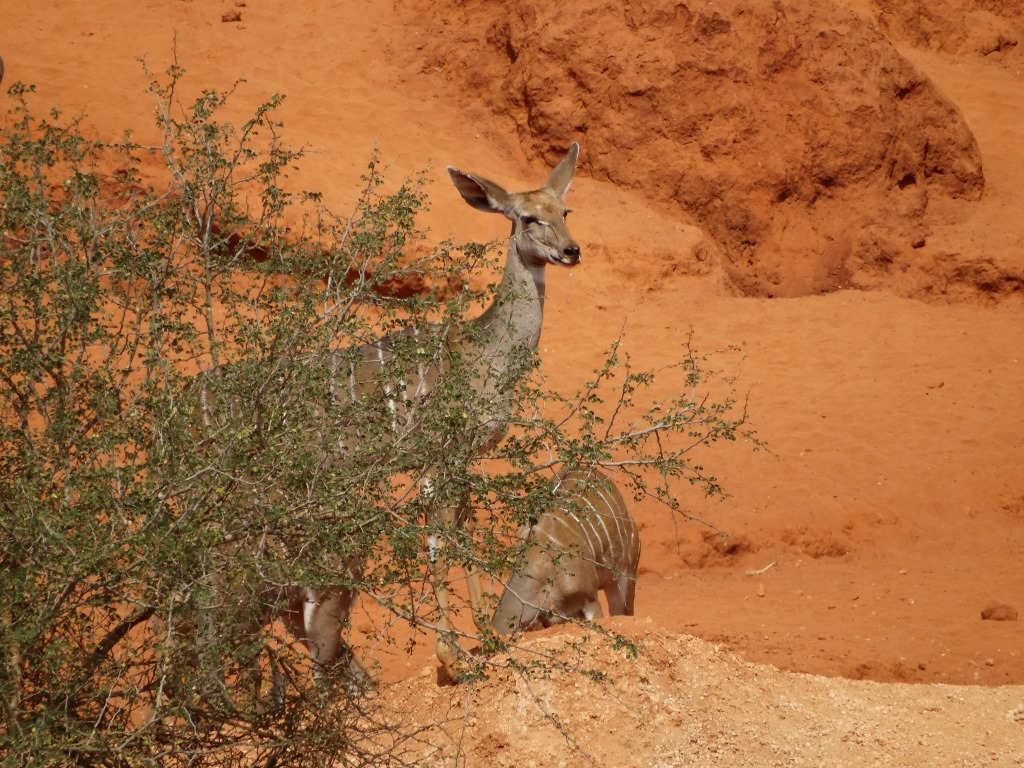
(585, 541)
(491, 351)
(508, 332)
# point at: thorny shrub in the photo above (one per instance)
(173, 321)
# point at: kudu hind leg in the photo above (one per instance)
(628, 583)
(317, 618)
(620, 594)
(616, 598)
(328, 649)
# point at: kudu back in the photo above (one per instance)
(584, 542)
(494, 346)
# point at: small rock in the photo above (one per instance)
(999, 612)
(761, 592)
(231, 16)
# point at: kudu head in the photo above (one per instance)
(539, 232)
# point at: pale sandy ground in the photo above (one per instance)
(891, 505)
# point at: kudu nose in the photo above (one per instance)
(572, 252)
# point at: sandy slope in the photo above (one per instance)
(686, 702)
(891, 509)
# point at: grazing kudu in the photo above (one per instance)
(585, 541)
(493, 351)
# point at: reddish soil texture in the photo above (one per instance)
(833, 185)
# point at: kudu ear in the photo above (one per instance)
(560, 179)
(481, 193)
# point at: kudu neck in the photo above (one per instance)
(517, 312)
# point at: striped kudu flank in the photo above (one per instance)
(584, 542)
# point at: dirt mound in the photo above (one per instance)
(795, 134)
(688, 702)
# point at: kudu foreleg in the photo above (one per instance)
(474, 585)
(447, 646)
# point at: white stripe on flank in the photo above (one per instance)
(599, 518)
(554, 518)
(592, 541)
(595, 547)
(618, 549)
